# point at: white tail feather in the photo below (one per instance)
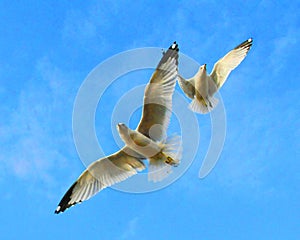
(173, 148)
(158, 169)
(200, 107)
(213, 101)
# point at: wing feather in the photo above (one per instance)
(157, 107)
(187, 86)
(230, 61)
(122, 164)
(99, 175)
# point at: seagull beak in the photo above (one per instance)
(121, 126)
(205, 66)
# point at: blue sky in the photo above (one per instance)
(46, 51)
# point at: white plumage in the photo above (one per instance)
(202, 86)
(125, 163)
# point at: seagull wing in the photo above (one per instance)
(99, 175)
(230, 61)
(187, 86)
(157, 107)
(120, 165)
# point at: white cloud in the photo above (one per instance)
(260, 138)
(283, 47)
(131, 229)
(36, 140)
(87, 28)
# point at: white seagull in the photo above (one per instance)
(162, 154)
(202, 86)
(125, 163)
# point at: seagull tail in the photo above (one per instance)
(199, 106)
(203, 106)
(159, 169)
(213, 102)
(173, 148)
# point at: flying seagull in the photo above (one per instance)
(149, 139)
(202, 86)
(162, 155)
(125, 163)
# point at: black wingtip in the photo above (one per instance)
(64, 203)
(172, 52)
(249, 41)
(246, 44)
(57, 210)
(174, 46)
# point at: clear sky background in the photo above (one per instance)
(47, 48)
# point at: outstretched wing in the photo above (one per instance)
(230, 61)
(99, 175)
(157, 107)
(187, 86)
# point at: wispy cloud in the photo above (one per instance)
(131, 229)
(86, 28)
(36, 138)
(261, 104)
(258, 144)
(283, 48)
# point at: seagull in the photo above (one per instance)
(125, 163)
(162, 155)
(202, 87)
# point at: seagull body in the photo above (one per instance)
(125, 163)
(202, 86)
(162, 156)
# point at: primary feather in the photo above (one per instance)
(125, 163)
(201, 87)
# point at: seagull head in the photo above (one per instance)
(123, 130)
(202, 69)
(121, 127)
